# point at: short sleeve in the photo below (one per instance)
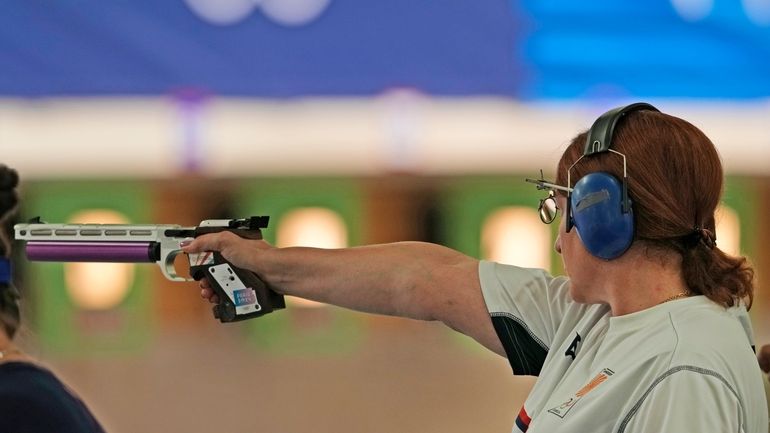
(528, 307)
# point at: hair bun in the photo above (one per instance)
(9, 178)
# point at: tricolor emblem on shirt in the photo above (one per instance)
(562, 409)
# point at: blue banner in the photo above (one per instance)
(250, 48)
(656, 48)
(527, 49)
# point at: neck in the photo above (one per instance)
(637, 282)
(9, 351)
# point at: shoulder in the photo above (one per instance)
(499, 273)
(705, 328)
(503, 284)
(24, 378)
(33, 399)
(713, 339)
(531, 311)
(27, 384)
(711, 357)
(25, 390)
(528, 294)
(667, 404)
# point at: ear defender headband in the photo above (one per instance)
(599, 206)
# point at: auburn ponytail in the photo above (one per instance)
(722, 278)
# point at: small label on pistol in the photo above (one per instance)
(244, 298)
(201, 259)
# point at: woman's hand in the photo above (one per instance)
(240, 252)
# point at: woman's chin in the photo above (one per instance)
(578, 295)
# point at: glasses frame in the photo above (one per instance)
(552, 188)
(543, 204)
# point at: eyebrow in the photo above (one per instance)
(542, 184)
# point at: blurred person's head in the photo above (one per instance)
(9, 296)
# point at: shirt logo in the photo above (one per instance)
(572, 349)
(562, 409)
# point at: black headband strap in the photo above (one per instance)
(600, 136)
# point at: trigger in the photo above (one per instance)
(169, 270)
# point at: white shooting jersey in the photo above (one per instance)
(681, 366)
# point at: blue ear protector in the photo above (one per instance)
(598, 206)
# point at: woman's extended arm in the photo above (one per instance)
(409, 279)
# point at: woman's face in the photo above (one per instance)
(581, 267)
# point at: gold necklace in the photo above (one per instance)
(677, 296)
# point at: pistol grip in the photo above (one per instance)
(242, 295)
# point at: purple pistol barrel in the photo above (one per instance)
(112, 252)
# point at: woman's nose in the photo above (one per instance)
(557, 244)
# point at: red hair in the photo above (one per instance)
(675, 181)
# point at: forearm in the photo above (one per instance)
(396, 279)
(410, 279)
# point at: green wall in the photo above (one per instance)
(61, 326)
(301, 331)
